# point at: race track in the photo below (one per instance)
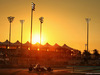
(26, 72)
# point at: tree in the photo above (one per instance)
(87, 55)
(79, 55)
(95, 53)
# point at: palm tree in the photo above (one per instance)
(78, 55)
(87, 55)
(95, 53)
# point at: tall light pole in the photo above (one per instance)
(21, 21)
(41, 21)
(33, 9)
(10, 19)
(87, 20)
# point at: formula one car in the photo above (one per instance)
(39, 68)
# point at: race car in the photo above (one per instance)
(39, 68)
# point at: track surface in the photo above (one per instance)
(26, 72)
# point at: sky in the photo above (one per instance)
(64, 22)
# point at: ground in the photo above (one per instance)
(75, 70)
(26, 72)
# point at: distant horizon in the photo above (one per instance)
(35, 43)
(91, 51)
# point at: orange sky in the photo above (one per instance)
(64, 21)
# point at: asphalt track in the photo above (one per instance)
(26, 72)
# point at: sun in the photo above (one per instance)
(35, 39)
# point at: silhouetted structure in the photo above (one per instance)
(33, 9)
(87, 20)
(10, 19)
(22, 21)
(41, 21)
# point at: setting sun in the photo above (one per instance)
(36, 38)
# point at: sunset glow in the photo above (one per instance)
(64, 23)
(49, 37)
(38, 49)
(36, 39)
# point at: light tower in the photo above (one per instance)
(21, 21)
(41, 21)
(10, 19)
(87, 20)
(33, 9)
